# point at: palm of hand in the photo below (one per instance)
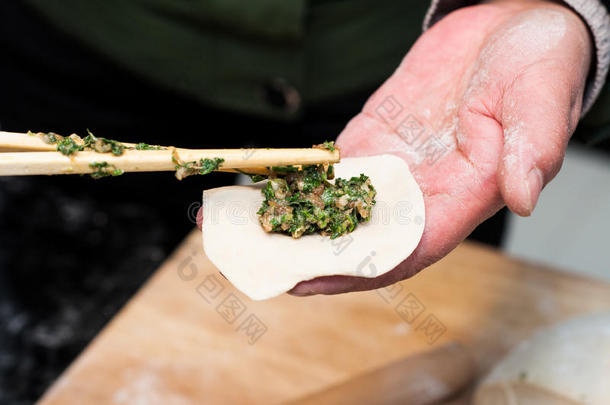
(481, 108)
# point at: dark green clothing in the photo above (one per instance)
(232, 54)
(594, 128)
(269, 58)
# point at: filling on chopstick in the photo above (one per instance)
(48, 153)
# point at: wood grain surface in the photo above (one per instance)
(188, 337)
(427, 378)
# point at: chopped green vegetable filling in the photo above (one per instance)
(330, 145)
(67, 146)
(104, 169)
(50, 138)
(284, 169)
(209, 165)
(257, 177)
(202, 167)
(103, 145)
(305, 202)
(74, 143)
(145, 146)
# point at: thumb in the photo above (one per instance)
(538, 115)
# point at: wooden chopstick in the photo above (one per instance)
(18, 142)
(46, 161)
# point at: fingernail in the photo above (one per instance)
(534, 184)
(299, 290)
(298, 293)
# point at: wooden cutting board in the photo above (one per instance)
(188, 337)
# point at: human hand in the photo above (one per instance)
(501, 86)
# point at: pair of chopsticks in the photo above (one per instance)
(28, 154)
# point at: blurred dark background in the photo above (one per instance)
(73, 250)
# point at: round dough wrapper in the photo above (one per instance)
(263, 265)
(565, 364)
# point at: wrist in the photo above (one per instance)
(585, 27)
(523, 5)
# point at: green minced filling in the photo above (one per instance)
(201, 167)
(72, 144)
(104, 169)
(145, 146)
(330, 145)
(304, 202)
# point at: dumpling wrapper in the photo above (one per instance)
(563, 364)
(263, 265)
